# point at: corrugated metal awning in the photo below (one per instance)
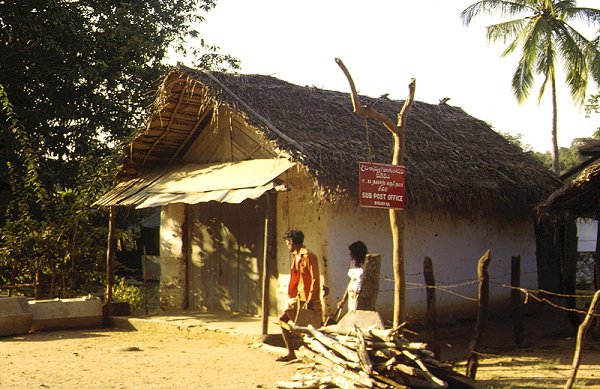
(225, 182)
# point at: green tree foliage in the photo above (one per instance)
(542, 30)
(593, 107)
(75, 78)
(516, 140)
(569, 156)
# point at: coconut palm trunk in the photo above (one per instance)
(555, 154)
(541, 30)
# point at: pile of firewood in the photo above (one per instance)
(375, 358)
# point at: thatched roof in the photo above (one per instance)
(454, 161)
(580, 197)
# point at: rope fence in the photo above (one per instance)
(539, 295)
(528, 293)
(519, 296)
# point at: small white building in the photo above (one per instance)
(236, 160)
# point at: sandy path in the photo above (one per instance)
(107, 358)
(111, 358)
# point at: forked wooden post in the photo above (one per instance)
(396, 217)
(580, 336)
(482, 313)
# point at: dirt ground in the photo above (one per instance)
(109, 358)
(112, 358)
(543, 360)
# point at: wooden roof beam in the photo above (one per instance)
(166, 131)
(190, 133)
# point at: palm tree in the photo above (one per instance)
(542, 31)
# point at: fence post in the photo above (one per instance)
(482, 313)
(580, 335)
(431, 315)
(515, 294)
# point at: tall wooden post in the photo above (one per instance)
(396, 217)
(267, 253)
(110, 254)
(596, 328)
(145, 275)
(580, 338)
(186, 256)
(431, 313)
(482, 313)
(515, 294)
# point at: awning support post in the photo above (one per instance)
(267, 253)
(110, 253)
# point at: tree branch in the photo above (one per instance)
(365, 110)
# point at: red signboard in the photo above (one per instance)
(381, 185)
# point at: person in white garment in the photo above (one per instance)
(356, 273)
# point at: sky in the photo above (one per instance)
(385, 43)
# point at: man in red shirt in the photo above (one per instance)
(304, 292)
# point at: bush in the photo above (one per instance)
(124, 292)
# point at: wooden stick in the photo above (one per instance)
(267, 253)
(515, 295)
(365, 110)
(371, 334)
(318, 347)
(580, 336)
(434, 379)
(347, 353)
(110, 255)
(389, 382)
(397, 221)
(363, 356)
(431, 315)
(366, 381)
(482, 313)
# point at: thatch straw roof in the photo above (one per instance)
(580, 197)
(454, 161)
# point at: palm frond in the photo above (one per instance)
(505, 31)
(522, 80)
(592, 51)
(572, 48)
(564, 6)
(590, 16)
(545, 64)
(503, 8)
(544, 36)
(533, 40)
(543, 89)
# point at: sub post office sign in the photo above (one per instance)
(381, 185)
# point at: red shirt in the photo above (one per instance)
(304, 276)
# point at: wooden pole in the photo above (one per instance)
(110, 254)
(515, 294)
(268, 233)
(568, 239)
(145, 275)
(596, 328)
(482, 313)
(431, 315)
(186, 256)
(580, 337)
(396, 217)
